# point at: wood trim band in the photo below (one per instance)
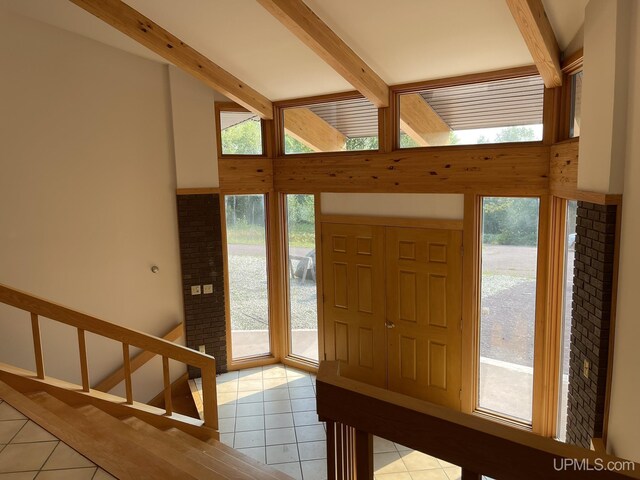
(393, 221)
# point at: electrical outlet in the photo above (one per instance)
(195, 290)
(201, 349)
(585, 368)
(206, 289)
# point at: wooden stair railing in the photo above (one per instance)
(355, 411)
(38, 307)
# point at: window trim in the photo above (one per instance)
(220, 107)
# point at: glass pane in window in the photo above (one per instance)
(248, 280)
(240, 133)
(331, 127)
(508, 305)
(565, 345)
(499, 111)
(303, 300)
(576, 100)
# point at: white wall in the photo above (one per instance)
(409, 205)
(624, 420)
(194, 130)
(604, 96)
(87, 193)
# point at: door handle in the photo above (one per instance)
(389, 324)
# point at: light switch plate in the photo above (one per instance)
(195, 290)
(202, 349)
(207, 289)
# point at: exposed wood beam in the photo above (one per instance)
(138, 361)
(311, 130)
(314, 33)
(421, 122)
(146, 32)
(539, 37)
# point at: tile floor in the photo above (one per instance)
(28, 451)
(269, 413)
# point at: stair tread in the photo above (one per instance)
(109, 444)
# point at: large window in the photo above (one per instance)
(240, 133)
(498, 111)
(567, 298)
(331, 127)
(508, 306)
(301, 268)
(248, 275)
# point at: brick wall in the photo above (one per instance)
(201, 257)
(591, 312)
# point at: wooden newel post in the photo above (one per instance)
(364, 455)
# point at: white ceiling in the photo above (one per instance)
(402, 40)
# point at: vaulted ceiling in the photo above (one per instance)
(401, 40)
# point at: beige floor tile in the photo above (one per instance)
(102, 475)
(250, 397)
(381, 445)
(314, 469)
(254, 373)
(254, 438)
(257, 453)
(454, 473)
(249, 409)
(248, 385)
(228, 386)
(444, 464)
(310, 433)
(389, 462)
(280, 436)
(274, 371)
(18, 476)
(276, 394)
(9, 429)
(302, 392)
(244, 424)
(303, 404)
(32, 432)
(66, 457)
(227, 438)
(393, 476)
(306, 418)
(292, 469)
(277, 406)
(279, 420)
(312, 450)
(71, 474)
(21, 457)
(7, 412)
(226, 425)
(282, 453)
(419, 461)
(275, 383)
(227, 398)
(300, 382)
(402, 448)
(224, 377)
(226, 411)
(434, 474)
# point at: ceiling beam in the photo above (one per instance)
(144, 31)
(313, 131)
(539, 37)
(314, 33)
(421, 122)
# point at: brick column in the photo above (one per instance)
(591, 315)
(202, 264)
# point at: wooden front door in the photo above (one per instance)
(424, 297)
(354, 300)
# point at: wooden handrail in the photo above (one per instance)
(128, 337)
(477, 445)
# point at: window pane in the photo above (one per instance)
(569, 255)
(508, 305)
(248, 286)
(489, 112)
(331, 127)
(303, 300)
(576, 100)
(240, 133)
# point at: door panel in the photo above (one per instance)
(354, 309)
(424, 279)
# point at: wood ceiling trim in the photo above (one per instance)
(300, 20)
(148, 33)
(539, 37)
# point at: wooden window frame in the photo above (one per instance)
(287, 356)
(272, 277)
(220, 107)
(570, 66)
(472, 278)
(279, 134)
(395, 91)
